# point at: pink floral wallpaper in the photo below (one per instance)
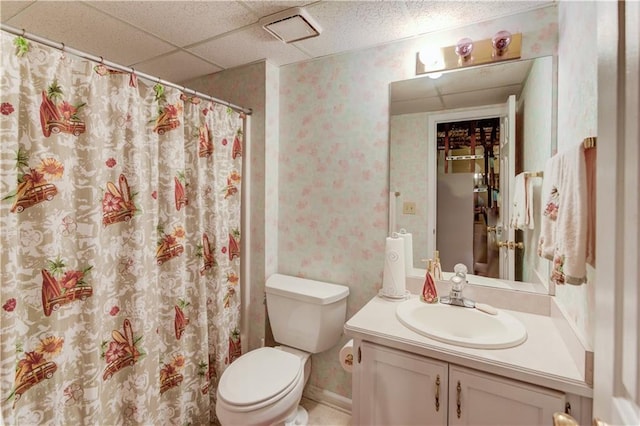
(577, 119)
(320, 164)
(408, 175)
(334, 156)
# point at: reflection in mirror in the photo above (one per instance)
(454, 153)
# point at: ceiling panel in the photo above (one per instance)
(248, 46)
(496, 95)
(84, 28)
(437, 15)
(416, 105)
(9, 8)
(265, 8)
(177, 66)
(351, 25)
(181, 23)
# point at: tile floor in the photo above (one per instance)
(324, 415)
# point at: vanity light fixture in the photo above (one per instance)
(291, 25)
(501, 42)
(504, 46)
(464, 48)
(433, 59)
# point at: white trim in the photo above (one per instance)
(331, 399)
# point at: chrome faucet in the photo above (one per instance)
(458, 280)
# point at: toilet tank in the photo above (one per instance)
(306, 314)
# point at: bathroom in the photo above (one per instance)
(319, 199)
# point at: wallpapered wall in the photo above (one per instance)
(577, 119)
(536, 107)
(408, 175)
(325, 174)
(334, 153)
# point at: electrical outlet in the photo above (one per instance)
(409, 207)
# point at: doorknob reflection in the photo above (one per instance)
(511, 245)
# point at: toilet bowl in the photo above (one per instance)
(264, 387)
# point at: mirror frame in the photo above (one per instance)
(546, 287)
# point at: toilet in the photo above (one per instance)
(264, 386)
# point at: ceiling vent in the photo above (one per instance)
(291, 25)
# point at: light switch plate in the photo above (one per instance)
(409, 207)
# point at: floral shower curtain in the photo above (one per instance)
(120, 234)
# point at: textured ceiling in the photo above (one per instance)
(181, 40)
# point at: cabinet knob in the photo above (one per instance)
(563, 419)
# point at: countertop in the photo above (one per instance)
(543, 359)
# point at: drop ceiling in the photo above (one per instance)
(181, 40)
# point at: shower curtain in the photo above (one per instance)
(120, 236)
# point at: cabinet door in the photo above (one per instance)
(481, 399)
(399, 388)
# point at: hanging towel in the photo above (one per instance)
(590, 163)
(550, 203)
(522, 204)
(570, 256)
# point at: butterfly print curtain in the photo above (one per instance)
(120, 236)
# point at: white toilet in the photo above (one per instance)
(264, 386)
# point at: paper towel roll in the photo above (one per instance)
(408, 250)
(346, 356)
(394, 276)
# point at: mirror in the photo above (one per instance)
(449, 139)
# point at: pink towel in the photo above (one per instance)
(570, 255)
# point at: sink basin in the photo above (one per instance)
(466, 327)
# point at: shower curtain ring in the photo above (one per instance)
(101, 60)
(62, 47)
(23, 32)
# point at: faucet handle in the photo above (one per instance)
(460, 268)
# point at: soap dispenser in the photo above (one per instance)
(429, 292)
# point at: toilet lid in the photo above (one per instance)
(258, 376)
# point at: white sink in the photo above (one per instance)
(459, 326)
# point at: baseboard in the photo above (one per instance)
(329, 398)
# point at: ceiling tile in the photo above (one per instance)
(347, 25)
(177, 67)
(412, 88)
(266, 8)
(10, 8)
(198, 20)
(84, 28)
(438, 15)
(416, 105)
(477, 98)
(250, 45)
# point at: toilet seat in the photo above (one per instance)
(259, 378)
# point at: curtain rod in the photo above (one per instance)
(101, 60)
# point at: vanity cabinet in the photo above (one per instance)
(399, 388)
(396, 387)
(477, 398)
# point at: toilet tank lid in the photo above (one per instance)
(311, 291)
